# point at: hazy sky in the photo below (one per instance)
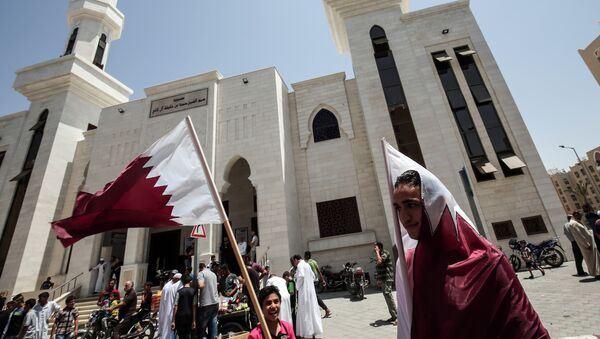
(534, 42)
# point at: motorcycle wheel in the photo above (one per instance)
(515, 262)
(554, 257)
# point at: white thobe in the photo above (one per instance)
(585, 241)
(101, 267)
(285, 308)
(165, 311)
(308, 318)
(43, 313)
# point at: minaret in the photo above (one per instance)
(66, 94)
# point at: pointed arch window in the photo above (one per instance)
(22, 180)
(100, 51)
(325, 126)
(71, 43)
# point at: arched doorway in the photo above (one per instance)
(240, 204)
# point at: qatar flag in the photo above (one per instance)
(167, 185)
(451, 282)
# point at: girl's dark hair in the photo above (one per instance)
(267, 291)
(297, 257)
(410, 177)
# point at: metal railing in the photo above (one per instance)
(65, 287)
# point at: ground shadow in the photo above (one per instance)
(588, 280)
(380, 323)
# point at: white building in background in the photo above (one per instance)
(301, 164)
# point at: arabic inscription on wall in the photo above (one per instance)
(179, 102)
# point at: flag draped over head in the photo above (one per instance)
(452, 282)
(164, 186)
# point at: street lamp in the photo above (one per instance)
(585, 169)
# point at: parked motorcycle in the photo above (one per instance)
(101, 325)
(333, 280)
(355, 281)
(548, 251)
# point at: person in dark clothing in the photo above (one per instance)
(47, 284)
(15, 319)
(576, 250)
(255, 282)
(227, 257)
(4, 315)
(184, 313)
(127, 309)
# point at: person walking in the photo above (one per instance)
(308, 318)
(66, 324)
(584, 239)
(385, 279)
(30, 328)
(314, 266)
(208, 303)
(44, 310)
(165, 312)
(576, 251)
(102, 268)
(15, 319)
(184, 313)
(529, 259)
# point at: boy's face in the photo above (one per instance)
(407, 201)
(71, 303)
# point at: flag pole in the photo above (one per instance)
(230, 235)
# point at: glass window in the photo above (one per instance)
(480, 94)
(404, 130)
(456, 99)
(100, 51)
(325, 126)
(504, 230)
(576, 174)
(534, 225)
(2, 154)
(337, 217)
(71, 43)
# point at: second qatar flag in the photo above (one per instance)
(164, 186)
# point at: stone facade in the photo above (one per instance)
(259, 138)
(591, 57)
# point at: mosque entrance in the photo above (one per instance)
(240, 204)
(164, 252)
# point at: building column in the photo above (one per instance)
(135, 266)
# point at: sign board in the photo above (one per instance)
(179, 102)
(198, 232)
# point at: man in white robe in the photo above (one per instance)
(308, 317)
(165, 311)
(285, 310)
(583, 237)
(101, 267)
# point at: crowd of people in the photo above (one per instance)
(583, 231)
(288, 302)
(29, 318)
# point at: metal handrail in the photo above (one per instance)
(68, 284)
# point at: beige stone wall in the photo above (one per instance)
(591, 57)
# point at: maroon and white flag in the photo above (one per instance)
(452, 282)
(164, 186)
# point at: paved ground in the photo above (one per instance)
(567, 305)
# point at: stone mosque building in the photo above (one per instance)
(300, 164)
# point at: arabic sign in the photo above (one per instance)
(179, 102)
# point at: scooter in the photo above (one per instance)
(355, 281)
